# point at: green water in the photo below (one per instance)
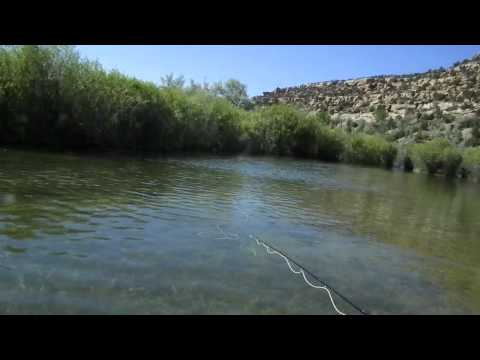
(89, 235)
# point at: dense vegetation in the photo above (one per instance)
(51, 97)
(370, 150)
(436, 156)
(471, 163)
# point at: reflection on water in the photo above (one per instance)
(171, 236)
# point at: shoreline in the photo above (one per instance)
(136, 155)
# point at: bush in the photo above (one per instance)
(306, 137)
(202, 122)
(284, 130)
(272, 128)
(51, 97)
(380, 113)
(471, 163)
(253, 134)
(369, 150)
(436, 156)
(408, 165)
(312, 138)
(475, 140)
(331, 144)
(54, 98)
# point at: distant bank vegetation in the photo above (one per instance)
(51, 97)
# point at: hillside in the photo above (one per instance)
(406, 108)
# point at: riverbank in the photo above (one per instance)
(467, 171)
(51, 98)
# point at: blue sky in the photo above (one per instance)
(265, 67)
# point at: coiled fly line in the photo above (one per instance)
(303, 271)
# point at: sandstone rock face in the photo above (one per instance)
(419, 104)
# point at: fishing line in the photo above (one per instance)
(302, 270)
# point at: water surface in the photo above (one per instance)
(90, 235)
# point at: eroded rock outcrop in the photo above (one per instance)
(444, 102)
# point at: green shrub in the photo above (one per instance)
(202, 122)
(331, 144)
(253, 138)
(323, 117)
(452, 160)
(284, 130)
(306, 137)
(315, 140)
(380, 113)
(272, 129)
(427, 117)
(475, 140)
(471, 163)
(52, 97)
(436, 156)
(369, 150)
(407, 163)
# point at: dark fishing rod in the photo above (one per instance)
(338, 293)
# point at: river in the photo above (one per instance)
(173, 235)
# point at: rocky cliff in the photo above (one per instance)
(406, 108)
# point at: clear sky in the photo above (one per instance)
(266, 67)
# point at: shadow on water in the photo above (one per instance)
(170, 235)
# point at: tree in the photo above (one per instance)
(198, 87)
(235, 92)
(170, 81)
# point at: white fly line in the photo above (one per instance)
(297, 272)
(301, 271)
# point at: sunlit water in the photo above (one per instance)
(87, 235)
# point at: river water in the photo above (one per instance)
(172, 235)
